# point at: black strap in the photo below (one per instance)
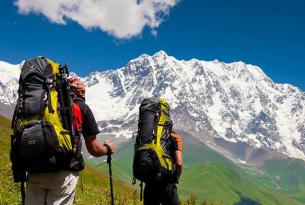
(51, 110)
(22, 191)
(134, 180)
(17, 107)
(109, 152)
(13, 125)
(141, 191)
(78, 98)
(47, 86)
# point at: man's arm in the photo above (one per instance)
(90, 130)
(177, 143)
(96, 149)
(179, 163)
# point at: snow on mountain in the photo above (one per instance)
(209, 99)
(9, 75)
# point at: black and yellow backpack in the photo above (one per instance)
(152, 160)
(44, 138)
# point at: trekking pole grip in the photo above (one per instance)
(109, 152)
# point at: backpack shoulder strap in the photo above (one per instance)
(77, 117)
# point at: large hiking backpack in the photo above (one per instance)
(44, 139)
(152, 160)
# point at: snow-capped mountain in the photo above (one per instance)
(236, 102)
(9, 75)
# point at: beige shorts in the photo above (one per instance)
(56, 188)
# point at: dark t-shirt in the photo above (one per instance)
(175, 145)
(89, 124)
(176, 142)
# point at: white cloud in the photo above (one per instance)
(120, 18)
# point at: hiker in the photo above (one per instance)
(165, 193)
(59, 187)
(158, 153)
(52, 181)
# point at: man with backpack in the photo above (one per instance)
(165, 192)
(49, 119)
(158, 153)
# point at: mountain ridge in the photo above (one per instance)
(235, 101)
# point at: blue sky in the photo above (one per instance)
(267, 33)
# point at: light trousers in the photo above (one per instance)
(56, 188)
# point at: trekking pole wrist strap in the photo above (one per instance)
(109, 151)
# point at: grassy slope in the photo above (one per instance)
(286, 175)
(9, 192)
(192, 154)
(207, 175)
(96, 189)
(95, 183)
(121, 164)
(199, 153)
(289, 175)
(218, 181)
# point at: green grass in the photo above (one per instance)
(217, 181)
(95, 183)
(286, 175)
(289, 175)
(121, 163)
(199, 153)
(9, 191)
(192, 154)
(207, 175)
(96, 189)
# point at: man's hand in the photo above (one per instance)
(97, 149)
(110, 146)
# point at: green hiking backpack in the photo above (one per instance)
(152, 160)
(44, 138)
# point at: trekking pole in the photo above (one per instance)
(62, 96)
(141, 193)
(22, 189)
(110, 172)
